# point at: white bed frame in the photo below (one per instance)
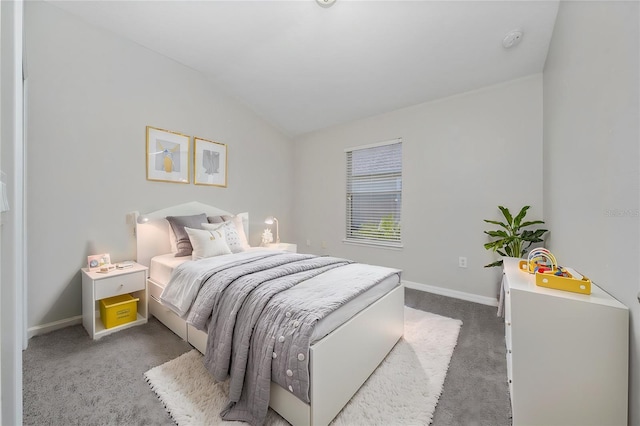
(340, 363)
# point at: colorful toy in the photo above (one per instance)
(543, 264)
(539, 260)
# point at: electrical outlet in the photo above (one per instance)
(308, 242)
(323, 244)
(462, 262)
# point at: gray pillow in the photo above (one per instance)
(218, 219)
(182, 238)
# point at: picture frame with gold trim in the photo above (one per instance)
(168, 156)
(209, 163)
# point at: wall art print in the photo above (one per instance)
(168, 156)
(210, 163)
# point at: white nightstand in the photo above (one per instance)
(97, 286)
(293, 248)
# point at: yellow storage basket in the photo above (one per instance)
(118, 310)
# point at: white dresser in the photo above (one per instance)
(567, 354)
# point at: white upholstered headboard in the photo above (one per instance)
(152, 236)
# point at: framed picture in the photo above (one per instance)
(210, 163)
(97, 261)
(168, 156)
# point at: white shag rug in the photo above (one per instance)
(403, 390)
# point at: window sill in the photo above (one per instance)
(389, 246)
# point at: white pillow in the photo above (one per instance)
(207, 243)
(242, 223)
(231, 233)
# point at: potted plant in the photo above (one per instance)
(512, 240)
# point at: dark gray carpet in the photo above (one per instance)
(475, 389)
(72, 380)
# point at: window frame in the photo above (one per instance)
(363, 241)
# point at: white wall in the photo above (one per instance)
(11, 290)
(462, 157)
(91, 94)
(3, 58)
(591, 153)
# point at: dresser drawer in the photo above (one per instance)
(507, 305)
(509, 366)
(119, 284)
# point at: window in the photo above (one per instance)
(374, 193)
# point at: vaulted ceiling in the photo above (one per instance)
(305, 67)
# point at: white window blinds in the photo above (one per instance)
(374, 193)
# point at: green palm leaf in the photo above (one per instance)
(497, 223)
(502, 234)
(533, 222)
(520, 216)
(506, 214)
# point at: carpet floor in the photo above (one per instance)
(403, 390)
(70, 379)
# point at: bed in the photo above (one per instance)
(339, 362)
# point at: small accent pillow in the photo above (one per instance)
(207, 243)
(178, 223)
(231, 234)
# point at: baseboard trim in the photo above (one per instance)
(469, 297)
(57, 325)
(52, 326)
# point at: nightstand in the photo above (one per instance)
(293, 248)
(97, 286)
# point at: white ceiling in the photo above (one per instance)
(304, 67)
